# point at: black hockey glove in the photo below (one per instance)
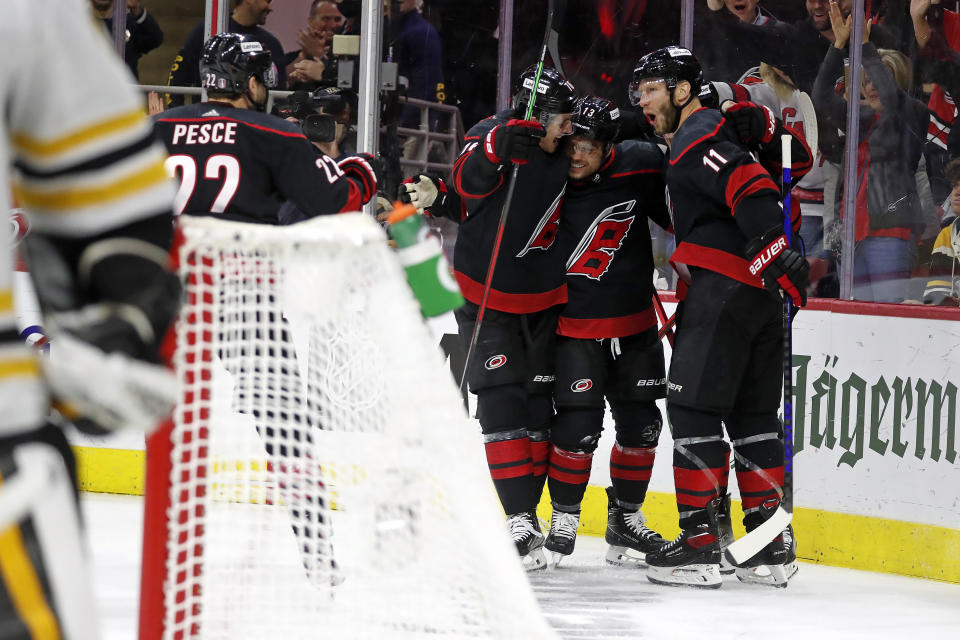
(108, 306)
(423, 191)
(513, 141)
(362, 169)
(754, 124)
(779, 266)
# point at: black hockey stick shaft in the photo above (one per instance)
(548, 34)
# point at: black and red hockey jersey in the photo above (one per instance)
(529, 274)
(243, 165)
(720, 196)
(604, 232)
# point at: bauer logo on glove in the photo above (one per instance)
(767, 255)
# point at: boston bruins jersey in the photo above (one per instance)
(242, 165)
(529, 272)
(606, 237)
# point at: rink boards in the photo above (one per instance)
(875, 436)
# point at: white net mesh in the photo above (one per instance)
(326, 481)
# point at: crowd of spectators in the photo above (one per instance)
(446, 51)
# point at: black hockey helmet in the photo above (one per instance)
(554, 94)
(673, 64)
(596, 118)
(228, 59)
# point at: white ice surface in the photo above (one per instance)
(584, 599)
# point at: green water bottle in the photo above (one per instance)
(421, 255)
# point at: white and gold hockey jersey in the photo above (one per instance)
(77, 151)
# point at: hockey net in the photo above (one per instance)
(320, 477)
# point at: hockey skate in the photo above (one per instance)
(525, 531)
(767, 567)
(626, 533)
(563, 534)
(693, 559)
(726, 534)
(790, 544)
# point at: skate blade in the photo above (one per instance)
(791, 569)
(624, 557)
(534, 561)
(767, 575)
(554, 558)
(699, 576)
(726, 568)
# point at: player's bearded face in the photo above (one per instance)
(655, 100)
(585, 155)
(558, 127)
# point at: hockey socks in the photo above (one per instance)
(568, 476)
(540, 450)
(630, 469)
(510, 460)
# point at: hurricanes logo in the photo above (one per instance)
(584, 384)
(495, 362)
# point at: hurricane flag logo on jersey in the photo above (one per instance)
(546, 230)
(595, 251)
(584, 384)
(495, 362)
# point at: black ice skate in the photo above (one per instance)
(726, 533)
(525, 531)
(768, 566)
(626, 533)
(693, 559)
(790, 544)
(563, 534)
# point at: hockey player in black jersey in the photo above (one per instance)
(607, 344)
(726, 363)
(511, 371)
(237, 163)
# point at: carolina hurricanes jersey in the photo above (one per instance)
(710, 177)
(242, 165)
(529, 271)
(798, 117)
(604, 232)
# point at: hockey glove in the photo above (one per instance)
(779, 266)
(513, 141)
(423, 190)
(362, 170)
(754, 124)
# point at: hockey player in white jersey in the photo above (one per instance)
(77, 148)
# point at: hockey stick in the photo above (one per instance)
(787, 500)
(751, 544)
(666, 324)
(550, 33)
